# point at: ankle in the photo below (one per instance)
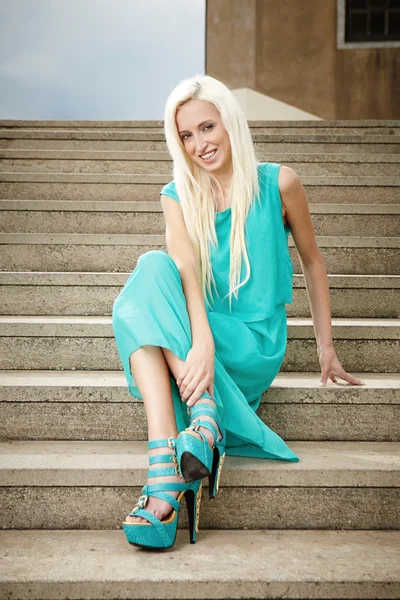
(208, 435)
(205, 401)
(171, 463)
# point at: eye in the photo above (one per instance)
(185, 135)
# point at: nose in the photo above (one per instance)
(201, 145)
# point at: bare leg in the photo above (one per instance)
(149, 369)
(150, 372)
(175, 364)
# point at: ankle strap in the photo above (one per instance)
(161, 458)
(170, 443)
(202, 410)
(196, 423)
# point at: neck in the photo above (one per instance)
(224, 177)
(223, 181)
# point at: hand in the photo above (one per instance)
(197, 375)
(331, 367)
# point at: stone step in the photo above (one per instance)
(87, 343)
(93, 485)
(161, 179)
(263, 142)
(157, 135)
(164, 156)
(145, 188)
(120, 252)
(25, 216)
(72, 565)
(66, 293)
(81, 405)
(358, 126)
(59, 161)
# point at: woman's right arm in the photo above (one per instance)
(180, 249)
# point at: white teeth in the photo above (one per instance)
(209, 155)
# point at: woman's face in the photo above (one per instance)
(202, 132)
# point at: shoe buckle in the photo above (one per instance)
(171, 443)
(142, 501)
(194, 425)
(177, 469)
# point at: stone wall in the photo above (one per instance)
(288, 50)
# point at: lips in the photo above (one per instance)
(212, 152)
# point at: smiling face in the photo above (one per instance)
(202, 132)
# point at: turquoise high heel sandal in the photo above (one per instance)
(162, 533)
(195, 457)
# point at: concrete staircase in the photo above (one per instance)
(79, 203)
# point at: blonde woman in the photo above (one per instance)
(201, 329)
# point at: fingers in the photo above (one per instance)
(351, 379)
(196, 394)
(340, 372)
(324, 378)
(181, 377)
(188, 389)
(193, 399)
(183, 381)
(342, 375)
(193, 391)
(192, 387)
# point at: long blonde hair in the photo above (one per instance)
(195, 185)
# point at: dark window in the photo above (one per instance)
(372, 20)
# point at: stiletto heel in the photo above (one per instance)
(214, 477)
(193, 502)
(156, 533)
(195, 457)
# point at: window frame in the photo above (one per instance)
(340, 33)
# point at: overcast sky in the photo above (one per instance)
(96, 59)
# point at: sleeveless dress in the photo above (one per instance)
(250, 340)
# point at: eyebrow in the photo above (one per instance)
(198, 126)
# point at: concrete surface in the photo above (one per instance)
(80, 293)
(322, 464)
(259, 564)
(120, 252)
(58, 163)
(123, 421)
(148, 191)
(58, 217)
(93, 485)
(111, 387)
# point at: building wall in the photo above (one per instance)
(288, 50)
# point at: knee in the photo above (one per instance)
(150, 267)
(117, 310)
(155, 261)
(120, 305)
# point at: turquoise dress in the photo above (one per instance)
(250, 340)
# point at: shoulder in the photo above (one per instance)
(169, 189)
(293, 195)
(288, 180)
(286, 177)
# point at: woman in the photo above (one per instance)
(201, 330)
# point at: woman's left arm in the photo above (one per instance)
(297, 215)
